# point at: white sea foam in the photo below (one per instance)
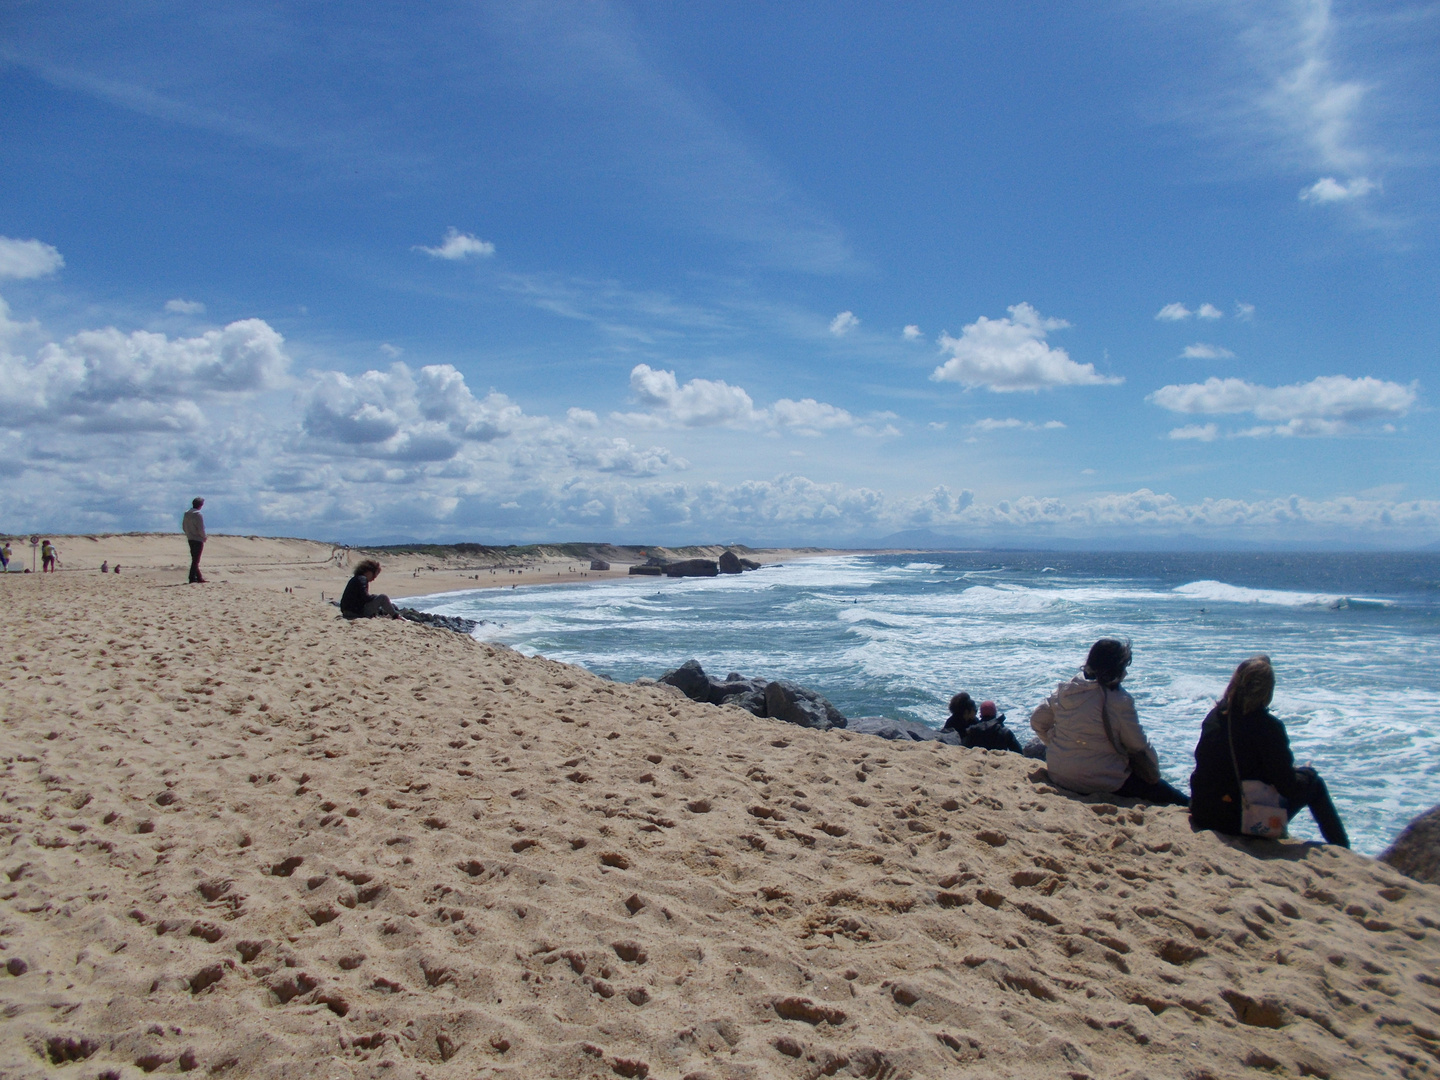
(1221, 593)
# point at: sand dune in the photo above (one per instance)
(244, 838)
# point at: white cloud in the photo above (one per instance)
(843, 323)
(1010, 423)
(185, 307)
(1011, 354)
(1210, 311)
(1329, 190)
(392, 351)
(911, 333)
(458, 245)
(1326, 405)
(1198, 432)
(712, 403)
(105, 380)
(1202, 351)
(1244, 311)
(582, 418)
(699, 403)
(1173, 313)
(21, 259)
(938, 425)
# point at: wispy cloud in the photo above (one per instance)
(1011, 424)
(1173, 313)
(1202, 351)
(843, 323)
(1329, 190)
(184, 307)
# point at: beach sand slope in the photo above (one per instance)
(240, 837)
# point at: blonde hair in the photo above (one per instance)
(1251, 687)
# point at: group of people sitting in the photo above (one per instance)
(1245, 781)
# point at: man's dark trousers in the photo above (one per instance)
(196, 546)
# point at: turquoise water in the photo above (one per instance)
(1353, 638)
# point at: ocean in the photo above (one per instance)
(1355, 640)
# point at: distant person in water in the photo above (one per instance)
(356, 601)
(193, 522)
(1094, 743)
(1240, 744)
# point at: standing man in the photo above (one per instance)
(194, 525)
(47, 557)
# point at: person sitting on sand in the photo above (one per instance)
(356, 601)
(990, 732)
(1094, 743)
(1241, 742)
(105, 567)
(962, 713)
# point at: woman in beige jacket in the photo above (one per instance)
(1094, 743)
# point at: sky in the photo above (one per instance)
(1120, 274)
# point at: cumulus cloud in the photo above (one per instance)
(582, 418)
(1329, 190)
(1197, 432)
(1209, 311)
(1326, 405)
(1202, 351)
(1173, 313)
(112, 381)
(457, 245)
(1011, 354)
(713, 403)
(911, 333)
(843, 323)
(185, 307)
(21, 259)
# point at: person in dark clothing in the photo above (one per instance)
(193, 524)
(962, 714)
(356, 601)
(1261, 751)
(990, 732)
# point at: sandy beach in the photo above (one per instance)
(245, 838)
(308, 566)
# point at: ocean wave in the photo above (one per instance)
(1220, 593)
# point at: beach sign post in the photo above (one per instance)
(34, 549)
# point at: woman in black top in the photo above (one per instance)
(1261, 752)
(356, 601)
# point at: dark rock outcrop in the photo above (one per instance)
(692, 568)
(885, 728)
(444, 622)
(690, 679)
(647, 570)
(730, 563)
(599, 564)
(1416, 851)
(785, 700)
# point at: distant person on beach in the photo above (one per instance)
(356, 601)
(5, 557)
(193, 523)
(1094, 743)
(105, 567)
(47, 557)
(1244, 759)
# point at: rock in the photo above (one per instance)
(752, 701)
(690, 679)
(886, 728)
(784, 700)
(599, 564)
(692, 568)
(730, 563)
(750, 564)
(1416, 851)
(735, 685)
(647, 570)
(444, 622)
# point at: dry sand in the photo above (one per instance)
(307, 565)
(243, 837)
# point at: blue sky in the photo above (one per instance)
(776, 273)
